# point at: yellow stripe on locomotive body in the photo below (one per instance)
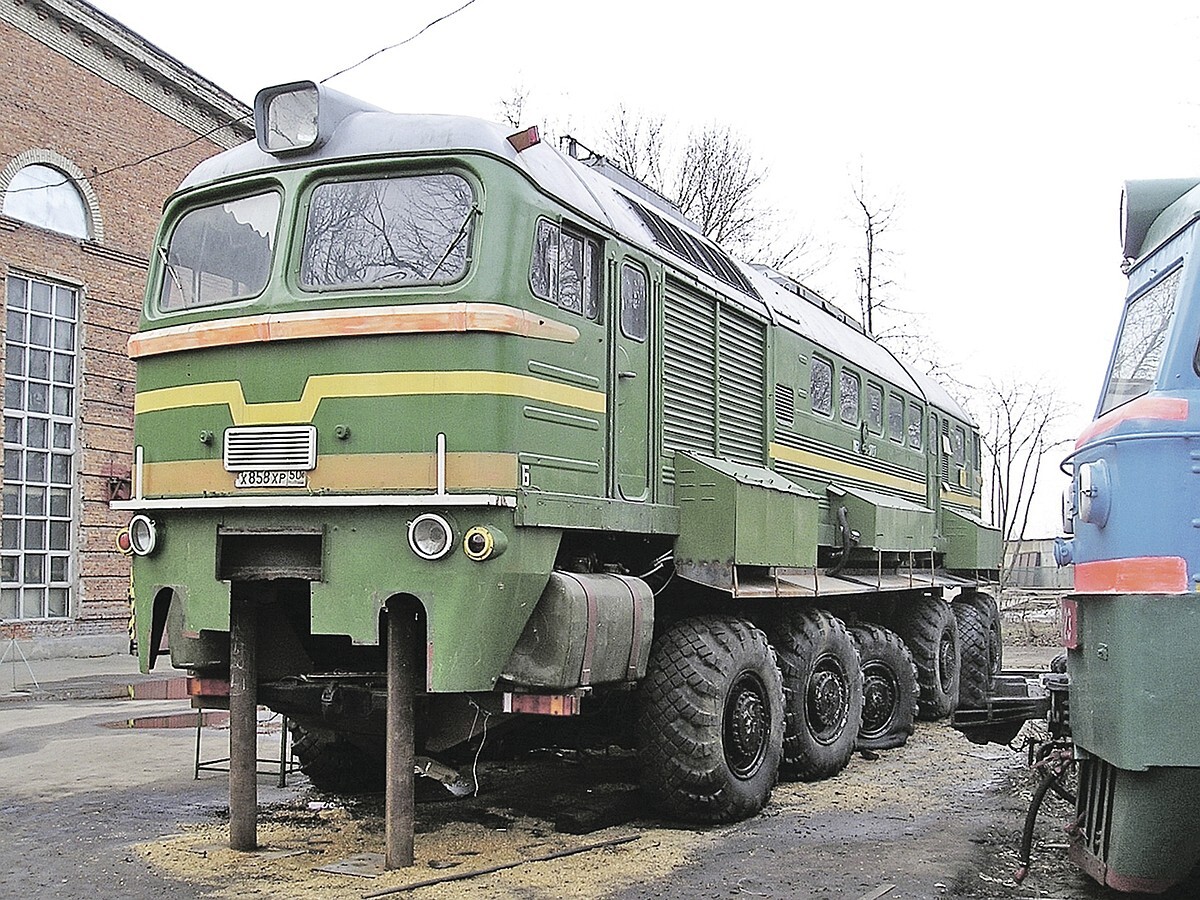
(837, 468)
(364, 385)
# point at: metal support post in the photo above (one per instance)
(243, 720)
(398, 808)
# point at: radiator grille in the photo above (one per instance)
(742, 386)
(689, 389)
(279, 448)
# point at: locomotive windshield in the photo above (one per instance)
(387, 232)
(1141, 343)
(220, 252)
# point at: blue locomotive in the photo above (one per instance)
(1132, 624)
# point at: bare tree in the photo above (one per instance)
(874, 216)
(716, 180)
(715, 184)
(636, 143)
(1019, 430)
(512, 107)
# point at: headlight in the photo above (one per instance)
(287, 117)
(143, 535)
(482, 542)
(430, 536)
(1095, 493)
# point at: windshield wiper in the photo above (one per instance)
(174, 275)
(462, 231)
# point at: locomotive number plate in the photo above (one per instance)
(262, 478)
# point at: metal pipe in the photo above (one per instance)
(441, 464)
(243, 720)
(398, 799)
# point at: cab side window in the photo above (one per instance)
(635, 294)
(566, 269)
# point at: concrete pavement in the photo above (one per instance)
(110, 677)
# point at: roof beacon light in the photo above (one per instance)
(523, 140)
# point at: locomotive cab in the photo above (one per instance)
(1132, 619)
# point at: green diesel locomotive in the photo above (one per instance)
(414, 368)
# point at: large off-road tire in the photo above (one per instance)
(335, 764)
(927, 627)
(710, 724)
(823, 695)
(986, 604)
(889, 688)
(981, 648)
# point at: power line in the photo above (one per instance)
(413, 37)
(168, 150)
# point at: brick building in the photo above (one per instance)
(89, 110)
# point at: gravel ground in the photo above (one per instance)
(89, 810)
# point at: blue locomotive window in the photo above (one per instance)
(896, 418)
(1141, 343)
(874, 408)
(566, 269)
(914, 426)
(388, 232)
(219, 253)
(820, 389)
(848, 397)
(635, 293)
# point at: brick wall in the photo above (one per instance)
(61, 98)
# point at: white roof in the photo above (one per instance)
(368, 131)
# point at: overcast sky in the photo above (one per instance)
(1004, 131)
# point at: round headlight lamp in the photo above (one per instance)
(478, 543)
(143, 535)
(483, 542)
(430, 536)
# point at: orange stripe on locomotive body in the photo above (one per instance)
(1137, 575)
(421, 318)
(1148, 408)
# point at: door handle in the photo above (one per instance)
(627, 374)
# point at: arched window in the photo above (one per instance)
(47, 197)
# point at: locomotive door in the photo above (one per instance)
(934, 465)
(629, 380)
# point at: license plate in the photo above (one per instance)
(260, 478)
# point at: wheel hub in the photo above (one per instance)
(879, 701)
(828, 701)
(746, 726)
(946, 661)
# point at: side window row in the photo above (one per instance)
(899, 428)
(566, 271)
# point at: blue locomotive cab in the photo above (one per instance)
(1133, 621)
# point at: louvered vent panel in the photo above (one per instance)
(277, 448)
(742, 385)
(785, 405)
(689, 392)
